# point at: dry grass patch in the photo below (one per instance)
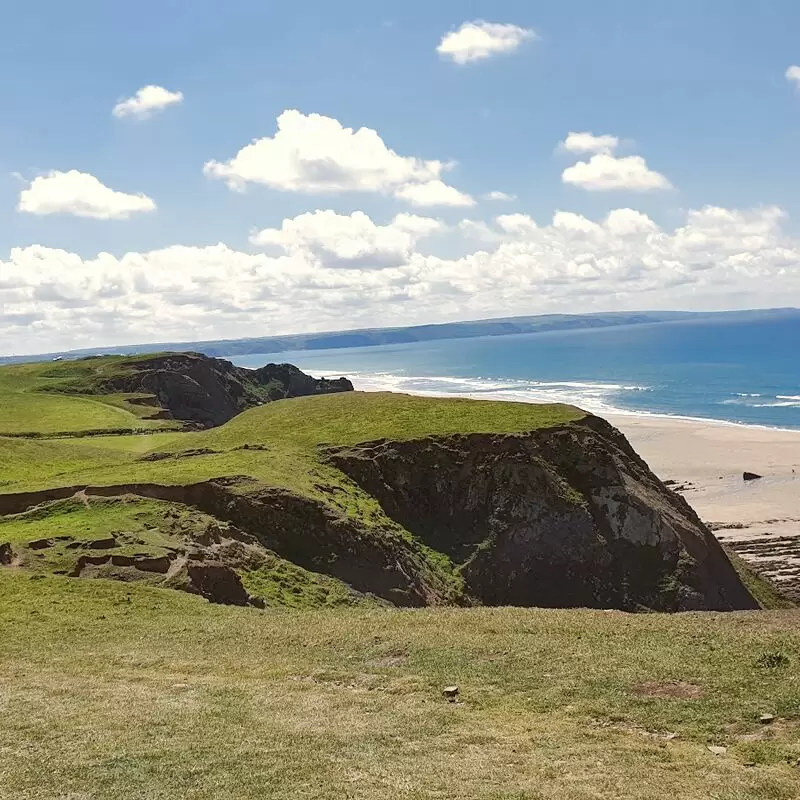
(111, 692)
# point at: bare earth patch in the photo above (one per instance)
(679, 690)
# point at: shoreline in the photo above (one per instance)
(392, 383)
(759, 520)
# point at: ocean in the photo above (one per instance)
(731, 371)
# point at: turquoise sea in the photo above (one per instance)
(742, 372)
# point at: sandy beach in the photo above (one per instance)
(760, 519)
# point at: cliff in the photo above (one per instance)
(408, 500)
(207, 391)
(564, 516)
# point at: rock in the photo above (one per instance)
(218, 584)
(767, 719)
(567, 516)
(717, 750)
(100, 544)
(451, 693)
(751, 476)
(210, 391)
(6, 554)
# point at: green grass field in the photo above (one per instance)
(290, 433)
(115, 691)
(45, 399)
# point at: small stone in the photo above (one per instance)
(717, 750)
(451, 693)
(767, 719)
(751, 476)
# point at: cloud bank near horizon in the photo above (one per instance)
(325, 271)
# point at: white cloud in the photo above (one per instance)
(716, 258)
(627, 222)
(516, 223)
(793, 75)
(433, 193)
(318, 155)
(348, 241)
(501, 197)
(82, 195)
(604, 172)
(475, 41)
(586, 142)
(146, 102)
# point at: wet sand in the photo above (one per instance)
(760, 519)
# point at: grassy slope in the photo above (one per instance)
(113, 691)
(289, 431)
(38, 399)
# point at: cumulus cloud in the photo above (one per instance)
(318, 155)
(586, 142)
(82, 195)
(352, 241)
(146, 102)
(478, 40)
(433, 193)
(502, 197)
(793, 75)
(604, 173)
(312, 277)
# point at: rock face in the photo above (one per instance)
(210, 391)
(218, 584)
(565, 516)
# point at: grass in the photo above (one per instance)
(289, 433)
(40, 463)
(283, 584)
(764, 591)
(112, 691)
(46, 399)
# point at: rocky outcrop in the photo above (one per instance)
(210, 391)
(384, 562)
(218, 583)
(565, 516)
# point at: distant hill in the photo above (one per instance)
(418, 333)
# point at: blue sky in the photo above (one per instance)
(696, 89)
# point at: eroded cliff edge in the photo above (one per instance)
(207, 391)
(562, 517)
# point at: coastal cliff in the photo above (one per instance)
(564, 516)
(349, 497)
(205, 391)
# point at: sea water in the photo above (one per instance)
(741, 372)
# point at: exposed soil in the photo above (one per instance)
(679, 690)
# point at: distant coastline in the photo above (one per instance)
(371, 337)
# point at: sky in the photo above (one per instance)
(174, 171)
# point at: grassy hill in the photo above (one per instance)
(51, 398)
(116, 686)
